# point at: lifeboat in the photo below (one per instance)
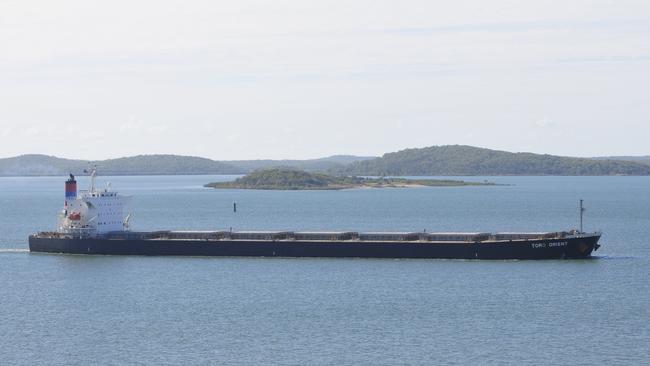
(75, 216)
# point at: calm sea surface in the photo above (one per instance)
(66, 310)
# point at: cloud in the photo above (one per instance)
(132, 125)
(544, 123)
(157, 129)
(136, 125)
(517, 26)
(5, 132)
(33, 132)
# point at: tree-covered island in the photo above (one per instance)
(292, 179)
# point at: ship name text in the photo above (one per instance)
(552, 244)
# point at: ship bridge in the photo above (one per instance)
(92, 212)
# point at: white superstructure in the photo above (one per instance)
(92, 212)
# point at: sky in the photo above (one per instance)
(304, 79)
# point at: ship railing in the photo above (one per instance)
(137, 235)
(53, 234)
(197, 235)
(326, 236)
(456, 237)
(529, 236)
(396, 236)
(580, 234)
(80, 232)
(169, 235)
(261, 235)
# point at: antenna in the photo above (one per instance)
(582, 211)
(93, 175)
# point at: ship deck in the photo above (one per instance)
(329, 236)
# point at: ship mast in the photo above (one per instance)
(582, 211)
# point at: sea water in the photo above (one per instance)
(66, 309)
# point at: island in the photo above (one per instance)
(293, 179)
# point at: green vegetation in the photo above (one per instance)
(292, 179)
(430, 161)
(468, 160)
(636, 159)
(310, 165)
(38, 165)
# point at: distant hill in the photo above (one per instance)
(468, 160)
(310, 165)
(164, 164)
(37, 165)
(636, 159)
(435, 160)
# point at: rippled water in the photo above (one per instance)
(60, 309)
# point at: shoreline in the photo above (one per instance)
(334, 187)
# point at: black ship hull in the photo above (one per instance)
(576, 247)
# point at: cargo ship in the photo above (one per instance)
(93, 221)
